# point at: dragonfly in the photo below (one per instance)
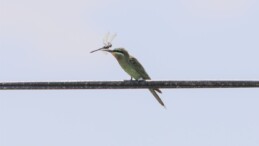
(106, 42)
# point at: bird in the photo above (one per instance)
(133, 67)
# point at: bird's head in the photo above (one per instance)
(118, 52)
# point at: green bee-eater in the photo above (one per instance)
(132, 66)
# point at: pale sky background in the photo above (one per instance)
(50, 40)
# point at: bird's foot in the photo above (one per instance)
(131, 79)
(140, 80)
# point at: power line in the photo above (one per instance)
(125, 84)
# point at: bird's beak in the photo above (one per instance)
(107, 50)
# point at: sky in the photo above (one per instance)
(50, 40)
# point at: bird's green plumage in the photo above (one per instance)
(132, 66)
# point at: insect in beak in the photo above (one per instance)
(107, 43)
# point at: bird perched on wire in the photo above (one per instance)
(132, 66)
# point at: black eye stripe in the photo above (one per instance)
(118, 51)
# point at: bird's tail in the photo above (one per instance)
(156, 96)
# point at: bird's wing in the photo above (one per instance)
(139, 68)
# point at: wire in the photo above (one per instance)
(125, 85)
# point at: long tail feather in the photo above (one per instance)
(157, 97)
(158, 90)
